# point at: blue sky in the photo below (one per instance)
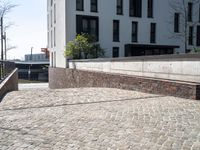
(29, 29)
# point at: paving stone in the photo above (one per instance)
(97, 118)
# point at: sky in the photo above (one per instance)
(29, 29)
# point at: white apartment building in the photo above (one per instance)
(124, 27)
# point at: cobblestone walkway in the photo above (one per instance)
(97, 118)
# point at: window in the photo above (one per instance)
(51, 39)
(54, 36)
(190, 6)
(135, 8)
(115, 52)
(79, 5)
(48, 21)
(54, 13)
(134, 31)
(190, 36)
(51, 2)
(88, 24)
(199, 13)
(119, 7)
(48, 40)
(153, 33)
(115, 30)
(150, 9)
(94, 6)
(198, 35)
(52, 59)
(51, 18)
(176, 22)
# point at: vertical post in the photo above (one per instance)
(5, 45)
(31, 53)
(1, 38)
(2, 71)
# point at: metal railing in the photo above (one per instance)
(6, 68)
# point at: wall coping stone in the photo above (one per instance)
(175, 57)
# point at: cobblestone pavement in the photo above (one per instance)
(97, 118)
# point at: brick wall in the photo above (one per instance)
(9, 84)
(72, 78)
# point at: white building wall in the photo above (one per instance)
(66, 25)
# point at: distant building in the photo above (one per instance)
(35, 67)
(36, 57)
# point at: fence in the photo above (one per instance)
(6, 68)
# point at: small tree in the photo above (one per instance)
(83, 47)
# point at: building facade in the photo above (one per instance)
(124, 27)
(36, 57)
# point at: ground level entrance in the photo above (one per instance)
(141, 49)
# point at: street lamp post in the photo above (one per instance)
(2, 38)
(31, 54)
(5, 45)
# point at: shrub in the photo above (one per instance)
(83, 47)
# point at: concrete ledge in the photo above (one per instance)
(9, 84)
(72, 78)
(185, 67)
(176, 57)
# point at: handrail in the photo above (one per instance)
(6, 67)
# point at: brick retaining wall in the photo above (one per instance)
(9, 84)
(72, 78)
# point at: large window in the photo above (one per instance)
(190, 9)
(51, 39)
(191, 30)
(198, 35)
(150, 9)
(94, 5)
(51, 18)
(135, 8)
(119, 7)
(199, 12)
(79, 5)
(54, 13)
(88, 24)
(115, 30)
(134, 32)
(115, 52)
(54, 37)
(153, 33)
(176, 22)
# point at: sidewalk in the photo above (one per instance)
(29, 86)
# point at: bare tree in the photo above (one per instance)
(5, 7)
(188, 17)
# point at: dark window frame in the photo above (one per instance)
(94, 4)
(115, 52)
(119, 7)
(150, 9)
(134, 32)
(79, 24)
(190, 11)
(191, 32)
(176, 22)
(135, 8)
(116, 30)
(199, 12)
(153, 33)
(82, 6)
(198, 35)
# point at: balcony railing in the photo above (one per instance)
(6, 68)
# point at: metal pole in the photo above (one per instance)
(31, 53)
(1, 38)
(5, 45)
